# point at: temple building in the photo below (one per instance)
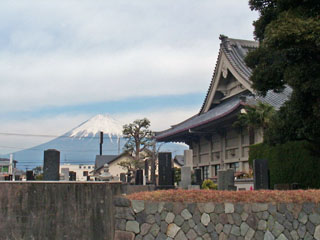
(216, 144)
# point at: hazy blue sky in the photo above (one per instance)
(62, 62)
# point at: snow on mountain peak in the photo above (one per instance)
(99, 123)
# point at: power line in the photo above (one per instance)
(65, 150)
(55, 136)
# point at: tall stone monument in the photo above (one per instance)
(186, 169)
(51, 165)
(165, 169)
(188, 158)
(261, 174)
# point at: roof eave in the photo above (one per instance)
(179, 133)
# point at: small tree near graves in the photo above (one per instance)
(139, 141)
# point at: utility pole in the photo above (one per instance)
(101, 142)
(153, 164)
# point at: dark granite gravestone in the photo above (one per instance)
(173, 174)
(198, 174)
(139, 177)
(8, 178)
(72, 176)
(51, 165)
(261, 174)
(146, 170)
(129, 178)
(165, 169)
(123, 177)
(226, 179)
(29, 175)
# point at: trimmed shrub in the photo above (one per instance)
(260, 196)
(291, 162)
(209, 185)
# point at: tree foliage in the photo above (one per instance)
(37, 170)
(289, 54)
(128, 165)
(291, 162)
(255, 117)
(139, 139)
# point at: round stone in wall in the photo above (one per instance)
(205, 219)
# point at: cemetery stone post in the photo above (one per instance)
(165, 169)
(51, 165)
(261, 174)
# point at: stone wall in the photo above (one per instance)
(164, 221)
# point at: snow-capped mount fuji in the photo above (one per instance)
(81, 144)
(97, 124)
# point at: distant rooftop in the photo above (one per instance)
(103, 159)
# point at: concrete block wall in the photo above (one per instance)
(59, 210)
(180, 221)
(55, 210)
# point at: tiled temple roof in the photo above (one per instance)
(235, 51)
(219, 111)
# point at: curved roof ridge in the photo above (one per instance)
(228, 46)
(212, 80)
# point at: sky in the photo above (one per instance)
(63, 62)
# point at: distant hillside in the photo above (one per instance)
(81, 144)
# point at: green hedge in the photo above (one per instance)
(291, 162)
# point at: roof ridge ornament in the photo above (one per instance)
(225, 41)
(222, 37)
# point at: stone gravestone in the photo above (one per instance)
(123, 177)
(165, 169)
(8, 178)
(72, 176)
(188, 158)
(185, 177)
(173, 174)
(146, 170)
(29, 175)
(129, 178)
(65, 172)
(198, 174)
(261, 174)
(139, 177)
(226, 179)
(51, 165)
